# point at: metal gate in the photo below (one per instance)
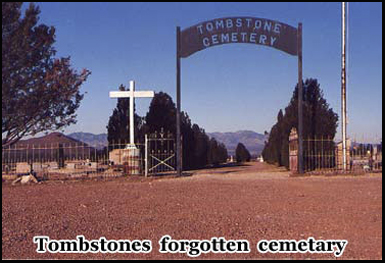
(160, 153)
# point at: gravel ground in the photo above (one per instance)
(251, 202)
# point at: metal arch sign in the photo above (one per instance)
(229, 30)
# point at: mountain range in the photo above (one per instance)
(96, 140)
(50, 140)
(253, 141)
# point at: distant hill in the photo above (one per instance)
(254, 142)
(50, 140)
(95, 140)
(47, 148)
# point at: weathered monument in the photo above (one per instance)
(230, 30)
(132, 94)
(129, 156)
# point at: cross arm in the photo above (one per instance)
(144, 94)
(127, 94)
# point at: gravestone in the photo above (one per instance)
(115, 156)
(93, 165)
(71, 165)
(37, 167)
(53, 166)
(23, 168)
(129, 158)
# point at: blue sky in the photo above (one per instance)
(224, 88)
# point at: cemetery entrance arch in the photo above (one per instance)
(251, 30)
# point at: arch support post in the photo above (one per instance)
(300, 101)
(178, 105)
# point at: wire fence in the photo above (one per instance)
(322, 155)
(72, 160)
(80, 160)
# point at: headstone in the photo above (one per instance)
(74, 164)
(71, 165)
(37, 167)
(53, 166)
(115, 156)
(23, 168)
(129, 158)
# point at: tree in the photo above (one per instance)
(39, 92)
(319, 120)
(198, 149)
(162, 114)
(188, 142)
(201, 148)
(119, 123)
(242, 154)
(222, 152)
(213, 152)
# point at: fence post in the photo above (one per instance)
(9, 155)
(60, 156)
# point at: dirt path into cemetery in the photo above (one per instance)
(250, 202)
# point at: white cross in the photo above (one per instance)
(132, 94)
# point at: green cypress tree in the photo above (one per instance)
(119, 123)
(242, 154)
(320, 121)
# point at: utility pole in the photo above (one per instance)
(343, 87)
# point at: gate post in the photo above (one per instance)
(293, 150)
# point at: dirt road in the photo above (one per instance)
(250, 202)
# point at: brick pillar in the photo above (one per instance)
(293, 150)
(339, 155)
